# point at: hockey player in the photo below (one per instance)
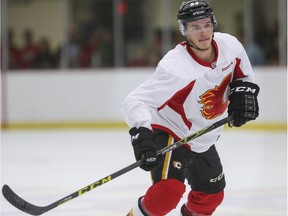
(192, 87)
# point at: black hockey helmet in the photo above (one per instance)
(193, 10)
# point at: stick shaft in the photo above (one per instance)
(21, 204)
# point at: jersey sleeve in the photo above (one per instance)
(231, 48)
(243, 69)
(138, 106)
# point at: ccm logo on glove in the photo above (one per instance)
(246, 89)
(144, 145)
(243, 104)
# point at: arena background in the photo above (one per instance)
(61, 97)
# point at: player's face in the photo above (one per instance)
(200, 32)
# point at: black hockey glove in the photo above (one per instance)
(243, 104)
(144, 144)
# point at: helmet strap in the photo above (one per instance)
(195, 47)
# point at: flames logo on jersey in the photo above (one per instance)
(214, 103)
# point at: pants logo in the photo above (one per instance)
(177, 165)
(218, 178)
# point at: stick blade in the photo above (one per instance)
(20, 203)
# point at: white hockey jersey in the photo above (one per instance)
(186, 94)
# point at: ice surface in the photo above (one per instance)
(45, 166)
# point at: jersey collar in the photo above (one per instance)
(201, 62)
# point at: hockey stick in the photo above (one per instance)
(21, 204)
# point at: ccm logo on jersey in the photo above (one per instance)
(242, 89)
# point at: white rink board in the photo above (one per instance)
(96, 95)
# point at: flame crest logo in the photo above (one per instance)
(214, 103)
